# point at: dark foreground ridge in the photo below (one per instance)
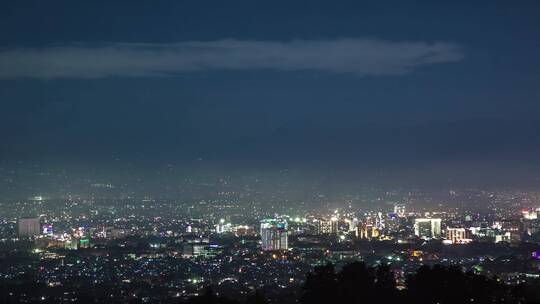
(354, 283)
(358, 283)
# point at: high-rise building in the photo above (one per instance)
(427, 228)
(327, 226)
(29, 227)
(353, 224)
(367, 231)
(393, 223)
(274, 234)
(223, 227)
(458, 235)
(379, 221)
(400, 210)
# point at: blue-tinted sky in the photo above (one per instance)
(360, 83)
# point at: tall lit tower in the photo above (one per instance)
(327, 226)
(29, 227)
(427, 228)
(274, 234)
(400, 210)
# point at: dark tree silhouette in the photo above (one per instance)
(256, 298)
(446, 285)
(355, 283)
(320, 286)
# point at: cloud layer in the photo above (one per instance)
(357, 56)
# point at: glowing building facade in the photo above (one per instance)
(427, 228)
(327, 226)
(29, 227)
(274, 235)
(458, 235)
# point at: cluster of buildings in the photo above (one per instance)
(224, 244)
(403, 227)
(399, 225)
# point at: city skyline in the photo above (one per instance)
(281, 152)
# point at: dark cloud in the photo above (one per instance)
(357, 56)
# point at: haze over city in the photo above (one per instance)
(109, 87)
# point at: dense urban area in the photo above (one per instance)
(269, 152)
(240, 245)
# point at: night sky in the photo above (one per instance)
(402, 86)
